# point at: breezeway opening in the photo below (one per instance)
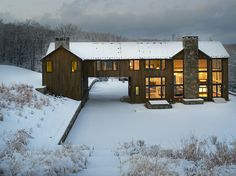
(118, 90)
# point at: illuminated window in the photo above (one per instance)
(134, 65)
(155, 64)
(178, 78)
(202, 77)
(178, 65)
(74, 66)
(217, 77)
(203, 91)
(202, 65)
(155, 87)
(136, 90)
(155, 81)
(49, 66)
(216, 65)
(178, 91)
(217, 91)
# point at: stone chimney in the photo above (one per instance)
(190, 45)
(62, 41)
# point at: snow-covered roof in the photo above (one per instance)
(138, 50)
(213, 49)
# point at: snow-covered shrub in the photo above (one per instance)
(192, 149)
(195, 157)
(20, 95)
(17, 159)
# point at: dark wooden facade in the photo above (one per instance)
(61, 81)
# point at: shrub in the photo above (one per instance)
(17, 159)
(195, 157)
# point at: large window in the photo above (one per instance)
(203, 91)
(217, 90)
(49, 67)
(202, 71)
(178, 78)
(107, 65)
(74, 66)
(134, 65)
(202, 78)
(155, 64)
(217, 77)
(178, 65)
(155, 87)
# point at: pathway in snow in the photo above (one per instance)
(102, 163)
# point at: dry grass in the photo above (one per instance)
(18, 96)
(17, 159)
(195, 157)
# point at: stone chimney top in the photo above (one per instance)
(62, 41)
(190, 41)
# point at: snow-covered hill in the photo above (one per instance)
(46, 124)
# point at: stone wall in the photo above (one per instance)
(190, 44)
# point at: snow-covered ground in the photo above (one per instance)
(46, 125)
(105, 121)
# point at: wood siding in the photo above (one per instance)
(61, 81)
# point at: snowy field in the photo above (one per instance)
(47, 124)
(105, 122)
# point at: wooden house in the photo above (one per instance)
(169, 70)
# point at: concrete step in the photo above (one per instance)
(193, 101)
(158, 104)
(219, 100)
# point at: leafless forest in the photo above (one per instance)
(23, 44)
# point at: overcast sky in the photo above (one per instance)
(215, 19)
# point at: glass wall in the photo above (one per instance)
(178, 78)
(217, 77)
(155, 87)
(203, 78)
